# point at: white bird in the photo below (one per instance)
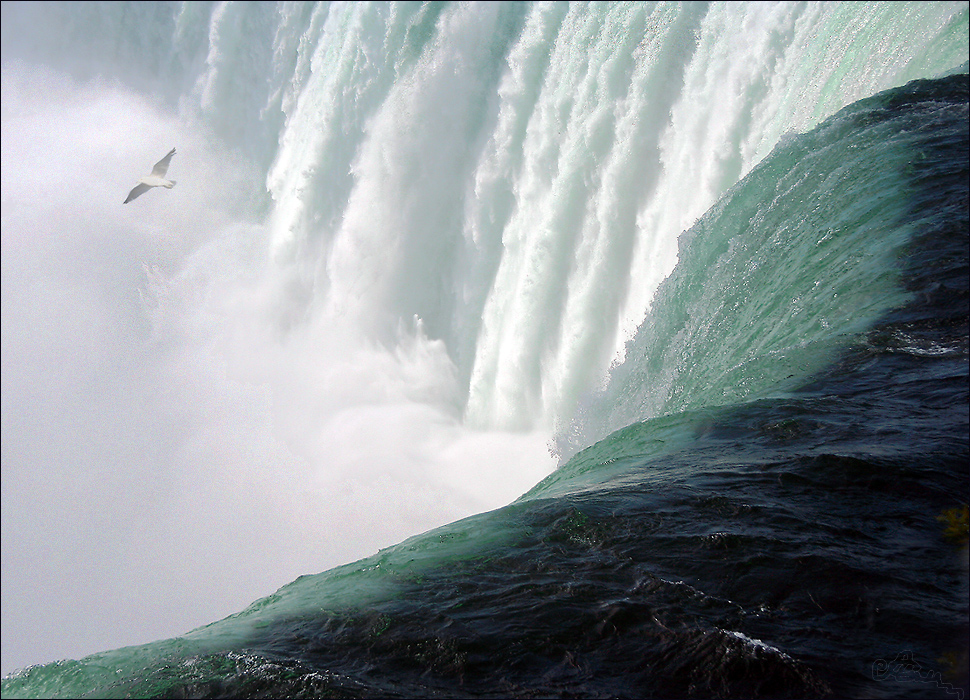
(156, 179)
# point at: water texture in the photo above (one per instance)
(725, 281)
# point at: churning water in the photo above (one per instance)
(712, 257)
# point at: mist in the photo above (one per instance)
(407, 244)
(170, 453)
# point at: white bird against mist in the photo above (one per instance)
(156, 179)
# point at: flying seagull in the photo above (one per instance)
(156, 179)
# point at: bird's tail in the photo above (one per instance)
(170, 185)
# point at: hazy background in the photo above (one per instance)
(166, 458)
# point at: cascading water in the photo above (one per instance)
(413, 246)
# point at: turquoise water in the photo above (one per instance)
(725, 281)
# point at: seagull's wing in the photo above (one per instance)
(140, 188)
(161, 167)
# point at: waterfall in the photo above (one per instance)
(408, 243)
